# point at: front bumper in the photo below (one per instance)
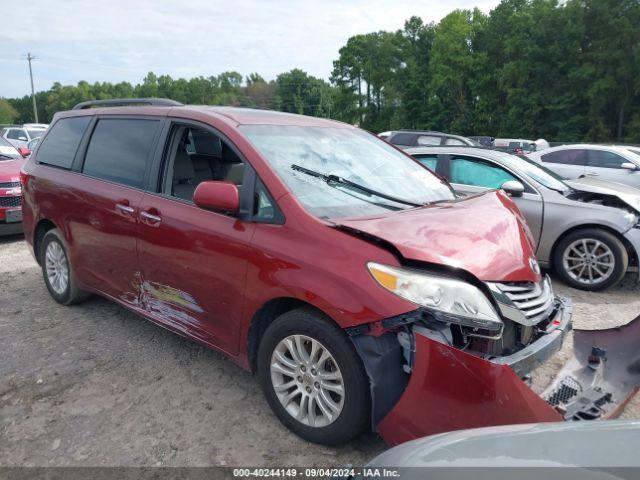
(450, 389)
(633, 237)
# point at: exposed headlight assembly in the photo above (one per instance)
(451, 300)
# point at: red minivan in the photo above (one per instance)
(361, 290)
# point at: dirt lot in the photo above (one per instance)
(96, 385)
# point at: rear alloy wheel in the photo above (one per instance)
(57, 271)
(313, 378)
(591, 259)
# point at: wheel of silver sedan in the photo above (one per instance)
(57, 267)
(588, 261)
(307, 380)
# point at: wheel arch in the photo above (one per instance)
(42, 227)
(266, 314)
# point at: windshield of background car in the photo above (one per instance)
(537, 172)
(8, 151)
(35, 133)
(352, 154)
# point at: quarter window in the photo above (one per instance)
(60, 145)
(478, 174)
(604, 159)
(573, 156)
(120, 149)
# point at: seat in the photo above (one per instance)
(184, 176)
(232, 167)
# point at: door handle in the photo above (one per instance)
(593, 174)
(125, 209)
(150, 218)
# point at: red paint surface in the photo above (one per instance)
(220, 196)
(9, 172)
(452, 390)
(485, 235)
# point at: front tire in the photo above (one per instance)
(591, 259)
(313, 378)
(56, 270)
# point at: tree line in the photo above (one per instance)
(564, 71)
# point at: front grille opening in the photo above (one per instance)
(10, 201)
(9, 184)
(534, 300)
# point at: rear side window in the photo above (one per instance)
(402, 139)
(60, 145)
(120, 149)
(572, 156)
(454, 141)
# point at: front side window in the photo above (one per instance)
(477, 173)
(573, 156)
(120, 149)
(60, 145)
(349, 156)
(454, 141)
(196, 155)
(604, 159)
(429, 140)
(35, 133)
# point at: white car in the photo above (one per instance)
(20, 136)
(609, 162)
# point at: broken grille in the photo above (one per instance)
(534, 300)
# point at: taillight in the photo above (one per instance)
(23, 178)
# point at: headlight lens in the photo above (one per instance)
(455, 301)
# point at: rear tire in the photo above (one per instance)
(57, 270)
(591, 259)
(322, 389)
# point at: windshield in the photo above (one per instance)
(8, 151)
(537, 172)
(35, 133)
(353, 155)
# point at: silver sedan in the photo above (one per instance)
(586, 229)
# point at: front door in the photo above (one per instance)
(194, 261)
(471, 175)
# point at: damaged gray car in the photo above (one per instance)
(586, 229)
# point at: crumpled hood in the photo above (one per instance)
(485, 235)
(10, 169)
(627, 194)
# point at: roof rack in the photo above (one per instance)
(119, 102)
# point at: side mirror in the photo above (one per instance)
(513, 188)
(629, 166)
(218, 196)
(24, 151)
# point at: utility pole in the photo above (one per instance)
(33, 93)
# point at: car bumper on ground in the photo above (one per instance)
(450, 389)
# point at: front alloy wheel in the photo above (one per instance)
(591, 259)
(307, 380)
(313, 378)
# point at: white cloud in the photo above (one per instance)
(123, 39)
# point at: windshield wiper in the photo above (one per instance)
(329, 179)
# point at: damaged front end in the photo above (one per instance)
(429, 376)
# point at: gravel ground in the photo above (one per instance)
(95, 385)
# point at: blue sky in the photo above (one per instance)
(118, 40)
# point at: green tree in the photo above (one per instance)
(8, 114)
